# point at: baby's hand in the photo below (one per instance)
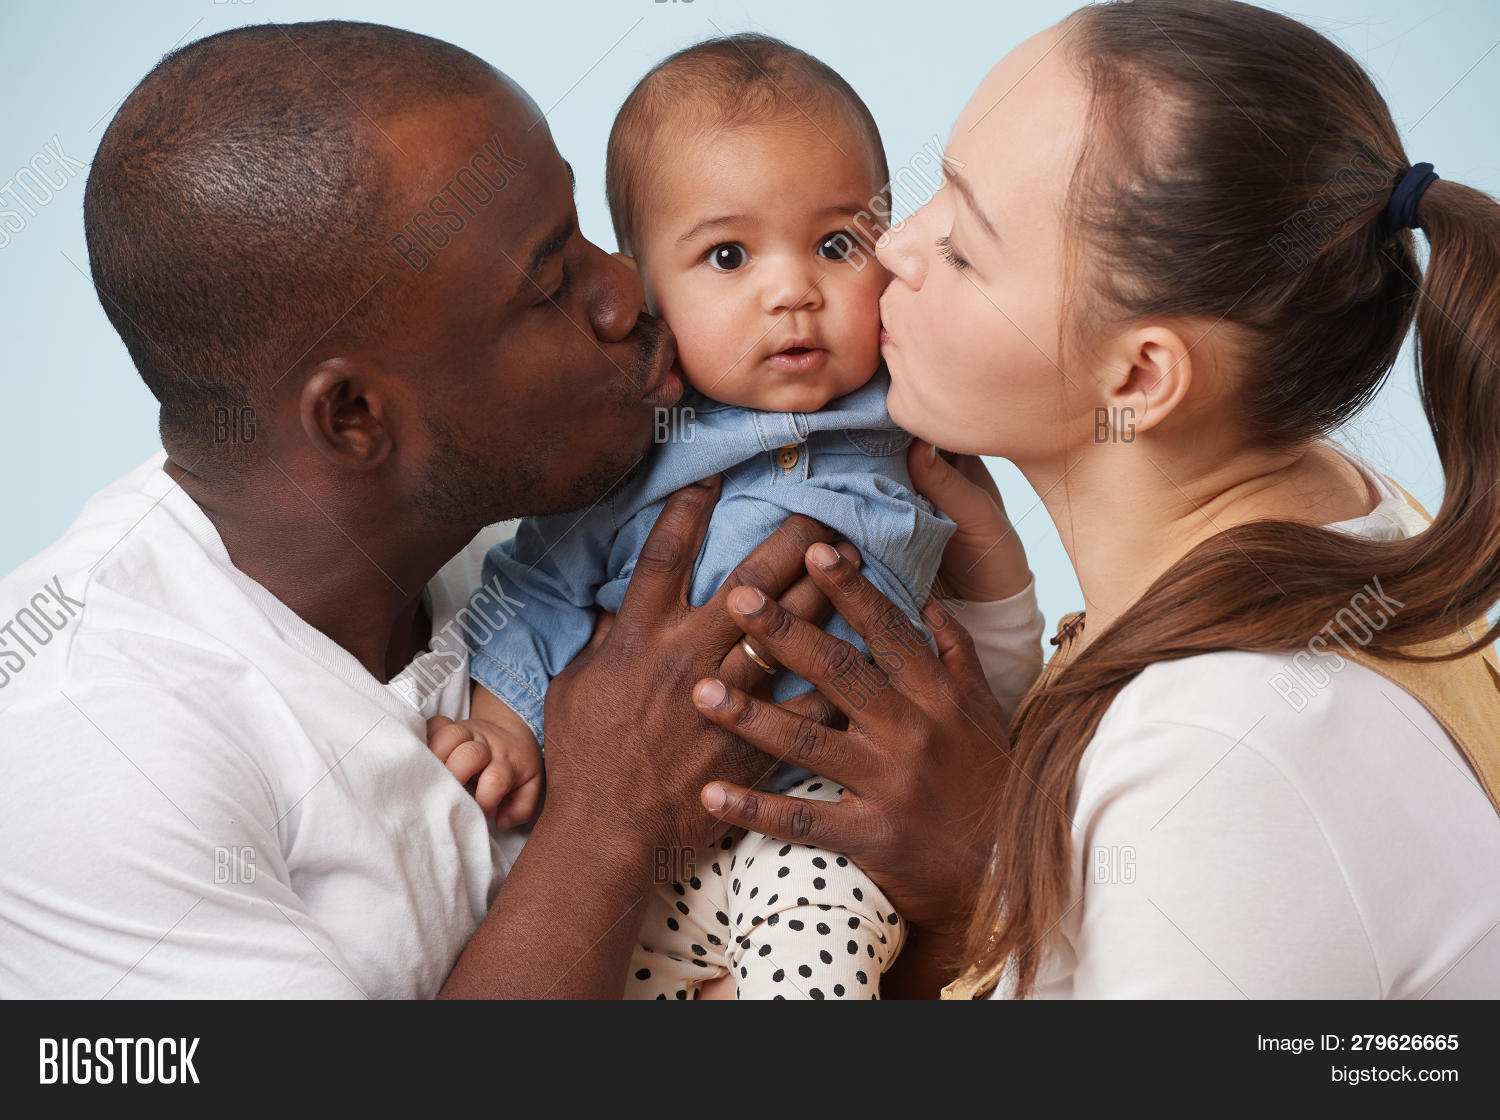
(497, 761)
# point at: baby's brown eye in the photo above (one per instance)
(836, 247)
(727, 257)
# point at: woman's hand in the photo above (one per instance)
(984, 561)
(921, 761)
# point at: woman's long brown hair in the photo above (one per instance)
(1238, 166)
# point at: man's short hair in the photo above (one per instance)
(721, 83)
(237, 211)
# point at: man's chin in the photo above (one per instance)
(602, 481)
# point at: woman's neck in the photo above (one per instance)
(1127, 512)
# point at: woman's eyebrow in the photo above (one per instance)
(968, 196)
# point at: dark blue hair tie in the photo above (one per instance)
(1401, 211)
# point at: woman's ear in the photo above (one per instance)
(1151, 370)
(345, 410)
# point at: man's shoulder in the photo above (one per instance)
(132, 584)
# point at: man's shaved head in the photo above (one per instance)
(239, 208)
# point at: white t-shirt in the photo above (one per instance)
(1242, 828)
(207, 797)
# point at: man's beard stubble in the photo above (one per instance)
(462, 487)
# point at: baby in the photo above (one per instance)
(736, 171)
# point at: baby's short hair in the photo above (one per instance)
(723, 82)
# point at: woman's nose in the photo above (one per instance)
(899, 250)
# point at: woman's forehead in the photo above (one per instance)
(1022, 129)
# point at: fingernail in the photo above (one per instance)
(714, 798)
(746, 600)
(932, 455)
(707, 482)
(710, 694)
(824, 556)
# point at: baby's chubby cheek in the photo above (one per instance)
(715, 370)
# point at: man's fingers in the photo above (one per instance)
(664, 569)
(782, 735)
(774, 566)
(818, 708)
(820, 823)
(804, 600)
(837, 669)
(894, 644)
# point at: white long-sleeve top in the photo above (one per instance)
(1278, 826)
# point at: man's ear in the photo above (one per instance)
(1149, 372)
(345, 409)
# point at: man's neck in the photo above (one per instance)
(357, 576)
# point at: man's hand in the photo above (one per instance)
(627, 754)
(626, 749)
(921, 761)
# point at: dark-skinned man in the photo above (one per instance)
(217, 766)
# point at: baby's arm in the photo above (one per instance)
(494, 750)
(535, 609)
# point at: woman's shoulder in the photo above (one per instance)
(1270, 818)
(1319, 718)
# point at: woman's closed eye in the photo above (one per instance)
(949, 254)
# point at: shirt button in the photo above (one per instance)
(786, 457)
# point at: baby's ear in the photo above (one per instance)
(627, 259)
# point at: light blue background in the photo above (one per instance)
(75, 416)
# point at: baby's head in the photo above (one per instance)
(743, 177)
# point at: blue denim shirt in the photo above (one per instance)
(844, 465)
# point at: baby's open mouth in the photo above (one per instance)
(799, 359)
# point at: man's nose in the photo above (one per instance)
(899, 249)
(616, 297)
(792, 285)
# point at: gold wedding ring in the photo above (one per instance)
(757, 658)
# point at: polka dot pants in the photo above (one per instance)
(788, 921)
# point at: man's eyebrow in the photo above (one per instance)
(968, 195)
(715, 223)
(549, 247)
